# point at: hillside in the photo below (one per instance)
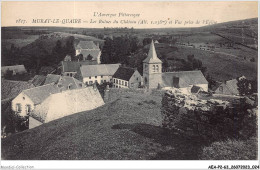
(127, 128)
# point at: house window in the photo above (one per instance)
(125, 83)
(120, 82)
(70, 74)
(114, 80)
(137, 78)
(28, 109)
(105, 81)
(95, 77)
(101, 76)
(89, 77)
(18, 107)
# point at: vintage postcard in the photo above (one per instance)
(150, 80)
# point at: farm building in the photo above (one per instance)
(16, 69)
(65, 103)
(184, 80)
(70, 68)
(89, 50)
(99, 73)
(127, 78)
(26, 101)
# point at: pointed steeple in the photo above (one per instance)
(152, 56)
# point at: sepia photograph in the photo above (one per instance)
(133, 80)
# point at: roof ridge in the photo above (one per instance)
(38, 86)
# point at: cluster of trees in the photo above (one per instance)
(117, 50)
(36, 54)
(194, 64)
(246, 87)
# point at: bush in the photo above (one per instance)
(231, 150)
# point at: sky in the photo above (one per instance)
(141, 14)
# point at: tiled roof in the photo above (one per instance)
(39, 94)
(152, 56)
(99, 70)
(10, 88)
(124, 73)
(232, 86)
(63, 82)
(73, 66)
(67, 103)
(38, 80)
(86, 45)
(66, 82)
(52, 78)
(183, 78)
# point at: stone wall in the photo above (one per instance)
(212, 119)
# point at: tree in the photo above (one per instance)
(244, 86)
(147, 41)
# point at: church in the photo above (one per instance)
(153, 77)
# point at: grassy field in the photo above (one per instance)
(220, 67)
(127, 128)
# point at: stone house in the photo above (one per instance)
(16, 69)
(89, 51)
(99, 73)
(70, 68)
(127, 78)
(28, 99)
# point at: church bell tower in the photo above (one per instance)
(152, 66)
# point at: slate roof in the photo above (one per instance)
(124, 73)
(152, 56)
(73, 66)
(99, 70)
(39, 94)
(183, 78)
(67, 103)
(38, 80)
(86, 45)
(10, 88)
